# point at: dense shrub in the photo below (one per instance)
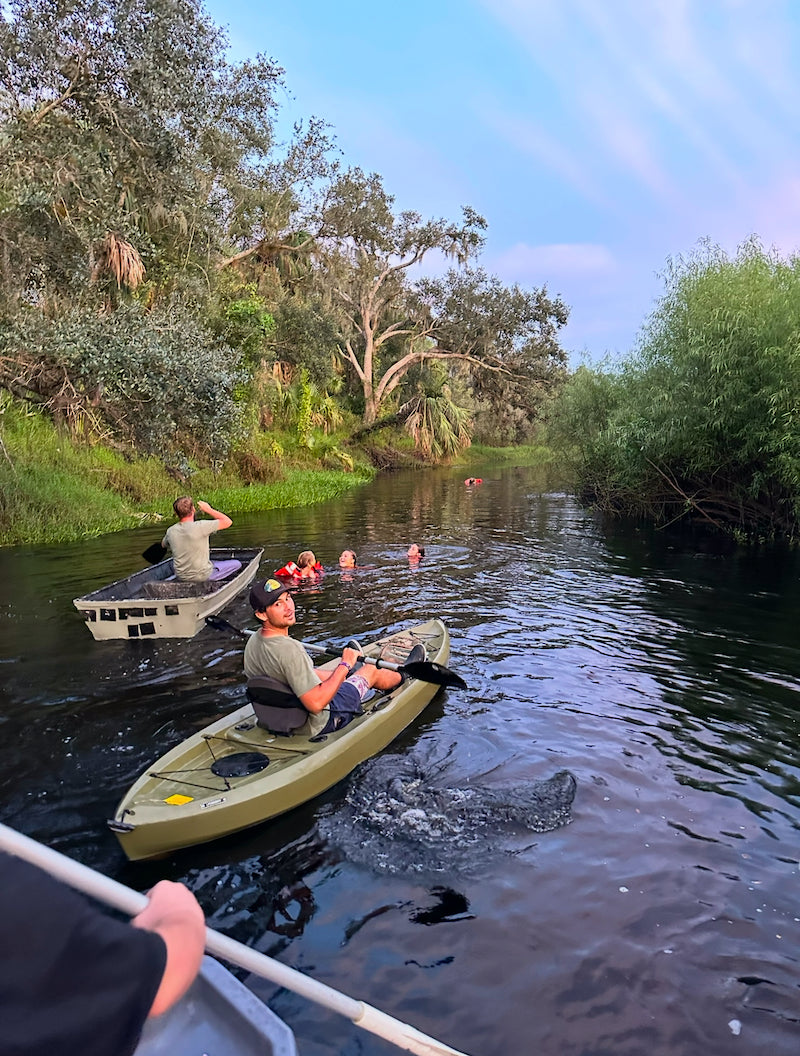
(704, 418)
(151, 375)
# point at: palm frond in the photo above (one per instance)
(117, 257)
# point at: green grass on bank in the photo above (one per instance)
(302, 487)
(53, 490)
(524, 455)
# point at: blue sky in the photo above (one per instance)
(599, 138)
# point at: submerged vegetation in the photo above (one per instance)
(702, 423)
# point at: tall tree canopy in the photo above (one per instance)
(365, 251)
(121, 117)
(507, 336)
(129, 144)
(391, 322)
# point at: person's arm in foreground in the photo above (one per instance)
(175, 914)
(223, 519)
(318, 698)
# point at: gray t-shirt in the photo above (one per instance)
(188, 541)
(281, 657)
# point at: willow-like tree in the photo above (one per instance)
(702, 421)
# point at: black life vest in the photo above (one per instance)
(276, 708)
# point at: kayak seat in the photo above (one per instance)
(276, 708)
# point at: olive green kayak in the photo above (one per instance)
(234, 774)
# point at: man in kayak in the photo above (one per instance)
(74, 979)
(331, 697)
(188, 541)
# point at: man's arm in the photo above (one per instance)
(222, 519)
(318, 698)
(175, 914)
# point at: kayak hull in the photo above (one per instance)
(180, 801)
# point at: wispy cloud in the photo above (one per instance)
(653, 81)
(530, 138)
(523, 263)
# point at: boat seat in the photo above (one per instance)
(276, 708)
(224, 569)
(166, 590)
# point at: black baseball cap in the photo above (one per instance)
(262, 595)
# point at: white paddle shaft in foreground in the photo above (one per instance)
(131, 902)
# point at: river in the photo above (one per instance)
(663, 919)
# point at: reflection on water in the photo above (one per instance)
(664, 679)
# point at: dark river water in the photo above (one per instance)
(663, 919)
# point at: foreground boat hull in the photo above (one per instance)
(149, 604)
(180, 802)
(218, 1014)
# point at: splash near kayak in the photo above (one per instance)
(400, 817)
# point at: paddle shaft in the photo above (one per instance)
(320, 650)
(424, 670)
(114, 894)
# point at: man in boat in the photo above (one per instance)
(331, 697)
(189, 542)
(74, 979)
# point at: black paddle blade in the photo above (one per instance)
(155, 553)
(219, 624)
(427, 671)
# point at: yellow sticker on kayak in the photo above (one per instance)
(178, 801)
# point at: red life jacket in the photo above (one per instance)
(291, 571)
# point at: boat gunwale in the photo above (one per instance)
(145, 617)
(245, 554)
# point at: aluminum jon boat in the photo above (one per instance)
(234, 774)
(218, 1014)
(152, 604)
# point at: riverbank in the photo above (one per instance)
(47, 506)
(54, 490)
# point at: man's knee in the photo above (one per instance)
(384, 679)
